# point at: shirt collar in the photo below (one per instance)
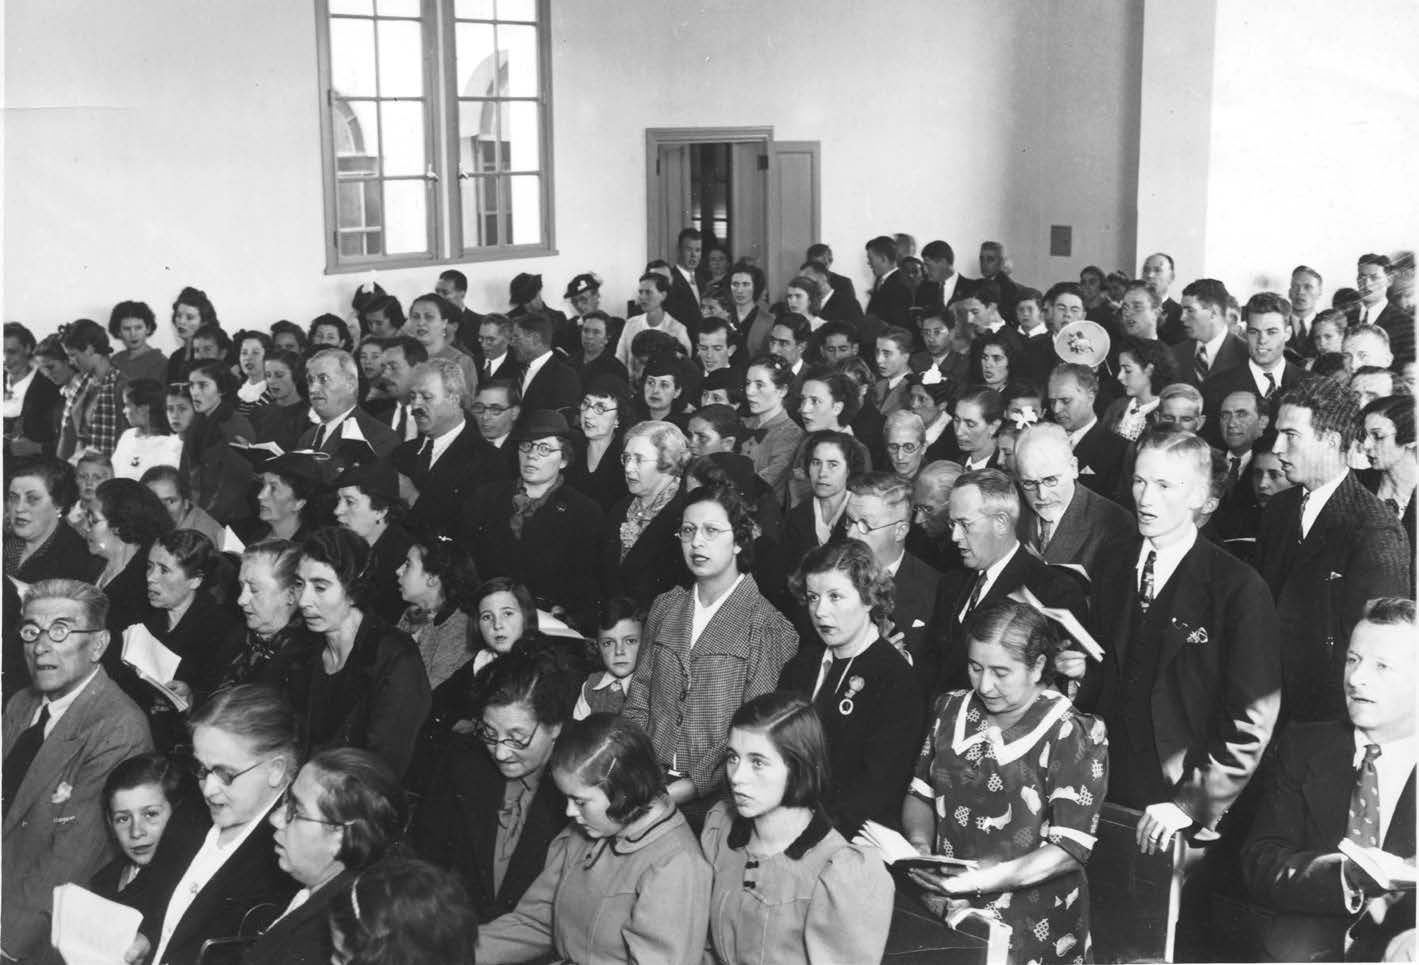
(1081, 432)
(608, 678)
(1259, 374)
(992, 572)
(1215, 344)
(1322, 493)
(58, 707)
(332, 423)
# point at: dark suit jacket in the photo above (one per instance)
(1217, 691)
(917, 586)
(1354, 552)
(281, 424)
(1400, 327)
(40, 413)
(556, 386)
(248, 881)
(551, 558)
(303, 936)
(1090, 525)
(891, 300)
(1219, 386)
(381, 438)
(800, 533)
(1101, 455)
(604, 364)
(1232, 354)
(682, 303)
(871, 749)
(1170, 326)
(607, 485)
(456, 826)
(842, 285)
(49, 837)
(930, 295)
(1290, 860)
(469, 461)
(654, 562)
(507, 370)
(842, 306)
(946, 660)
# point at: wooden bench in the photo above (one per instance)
(1133, 897)
(920, 937)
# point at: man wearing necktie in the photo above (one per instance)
(396, 367)
(1344, 784)
(983, 512)
(63, 734)
(1266, 371)
(1374, 274)
(1190, 686)
(1210, 348)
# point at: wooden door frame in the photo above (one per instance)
(656, 246)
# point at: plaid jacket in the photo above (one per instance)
(98, 411)
(685, 698)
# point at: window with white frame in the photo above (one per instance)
(437, 130)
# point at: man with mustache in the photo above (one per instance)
(396, 368)
(448, 459)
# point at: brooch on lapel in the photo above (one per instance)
(855, 684)
(1194, 635)
(62, 793)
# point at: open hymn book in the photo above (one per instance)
(152, 661)
(897, 850)
(90, 930)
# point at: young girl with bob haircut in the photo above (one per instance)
(624, 882)
(788, 888)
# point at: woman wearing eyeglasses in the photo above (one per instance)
(536, 529)
(639, 556)
(494, 809)
(713, 645)
(344, 812)
(606, 412)
(244, 754)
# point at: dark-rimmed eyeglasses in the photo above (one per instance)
(225, 775)
(58, 631)
(289, 808)
(491, 739)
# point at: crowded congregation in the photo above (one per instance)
(730, 625)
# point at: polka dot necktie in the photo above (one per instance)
(1363, 826)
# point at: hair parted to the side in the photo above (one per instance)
(1022, 630)
(258, 714)
(794, 728)
(608, 752)
(362, 794)
(407, 911)
(853, 558)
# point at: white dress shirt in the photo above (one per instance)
(57, 708)
(1317, 500)
(992, 573)
(441, 443)
(1166, 563)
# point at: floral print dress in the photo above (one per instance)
(1000, 795)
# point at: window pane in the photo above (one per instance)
(473, 9)
(523, 136)
(351, 6)
(517, 9)
(403, 137)
(356, 125)
(406, 214)
(479, 149)
(525, 196)
(401, 59)
(478, 202)
(352, 57)
(519, 46)
(399, 8)
(477, 67)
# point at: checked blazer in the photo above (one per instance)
(684, 697)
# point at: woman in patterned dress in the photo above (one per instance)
(1012, 776)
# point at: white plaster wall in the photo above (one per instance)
(160, 143)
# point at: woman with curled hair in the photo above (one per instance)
(713, 645)
(803, 297)
(133, 323)
(365, 687)
(1145, 367)
(148, 441)
(788, 887)
(40, 492)
(1019, 776)
(994, 361)
(218, 475)
(865, 691)
(329, 331)
(225, 882)
(607, 411)
(639, 557)
(368, 504)
(96, 411)
(344, 812)
(751, 321)
(287, 414)
(121, 524)
(830, 458)
(402, 910)
(494, 810)
(252, 347)
(183, 572)
(828, 402)
(626, 882)
(190, 311)
(774, 437)
(275, 638)
(1388, 445)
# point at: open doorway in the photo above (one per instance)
(757, 196)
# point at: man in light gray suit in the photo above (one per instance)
(1067, 523)
(62, 736)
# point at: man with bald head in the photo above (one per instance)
(1065, 522)
(930, 536)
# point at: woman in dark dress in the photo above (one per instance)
(343, 813)
(122, 523)
(639, 556)
(1394, 466)
(930, 398)
(39, 544)
(287, 414)
(191, 311)
(366, 687)
(606, 412)
(830, 459)
(276, 638)
(495, 809)
(865, 692)
(367, 503)
(220, 478)
(287, 497)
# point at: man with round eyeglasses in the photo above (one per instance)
(62, 736)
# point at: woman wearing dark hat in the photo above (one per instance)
(537, 530)
(367, 503)
(220, 479)
(584, 294)
(606, 411)
(366, 687)
(286, 501)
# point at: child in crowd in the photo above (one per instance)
(618, 648)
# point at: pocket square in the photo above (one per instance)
(1087, 471)
(917, 624)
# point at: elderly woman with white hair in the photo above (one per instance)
(640, 558)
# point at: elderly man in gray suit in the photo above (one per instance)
(62, 736)
(1067, 523)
